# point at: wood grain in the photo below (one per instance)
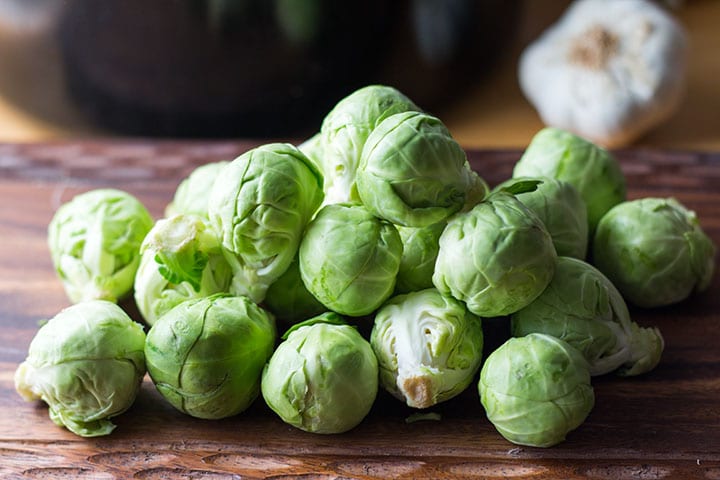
(665, 424)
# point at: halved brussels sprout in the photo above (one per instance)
(349, 259)
(497, 258)
(181, 260)
(323, 378)
(428, 346)
(655, 251)
(536, 389)
(86, 363)
(591, 169)
(582, 307)
(94, 241)
(206, 355)
(259, 206)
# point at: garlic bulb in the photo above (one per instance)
(608, 70)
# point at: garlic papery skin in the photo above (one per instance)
(608, 70)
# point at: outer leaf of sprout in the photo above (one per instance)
(646, 345)
(330, 318)
(181, 245)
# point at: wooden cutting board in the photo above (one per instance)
(665, 424)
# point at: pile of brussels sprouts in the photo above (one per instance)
(377, 221)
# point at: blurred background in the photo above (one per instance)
(271, 69)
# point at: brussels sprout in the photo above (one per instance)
(428, 346)
(536, 389)
(260, 204)
(497, 258)
(345, 130)
(323, 378)
(561, 209)
(592, 170)
(206, 355)
(192, 193)
(95, 242)
(181, 259)
(420, 250)
(289, 300)
(582, 307)
(654, 251)
(412, 172)
(349, 259)
(87, 364)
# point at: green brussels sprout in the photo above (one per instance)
(94, 241)
(592, 170)
(288, 298)
(180, 260)
(345, 130)
(420, 250)
(654, 251)
(561, 209)
(535, 390)
(87, 364)
(428, 346)
(206, 355)
(412, 172)
(582, 307)
(323, 378)
(260, 205)
(191, 195)
(349, 259)
(497, 258)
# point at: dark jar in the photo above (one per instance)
(266, 68)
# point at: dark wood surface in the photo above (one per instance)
(665, 424)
